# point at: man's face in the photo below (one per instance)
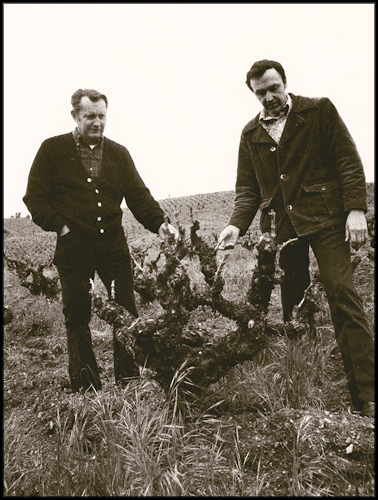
(91, 119)
(270, 91)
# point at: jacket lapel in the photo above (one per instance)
(107, 160)
(69, 159)
(76, 160)
(294, 122)
(261, 135)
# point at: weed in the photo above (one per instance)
(137, 440)
(123, 442)
(289, 373)
(35, 316)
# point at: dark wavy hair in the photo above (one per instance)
(93, 95)
(259, 68)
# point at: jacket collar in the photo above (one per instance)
(264, 117)
(79, 138)
(300, 104)
(70, 142)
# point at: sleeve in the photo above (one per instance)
(39, 197)
(345, 157)
(138, 197)
(247, 191)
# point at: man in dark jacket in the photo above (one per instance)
(297, 158)
(75, 188)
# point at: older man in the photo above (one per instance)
(75, 188)
(298, 158)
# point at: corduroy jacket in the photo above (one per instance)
(315, 172)
(61, 192)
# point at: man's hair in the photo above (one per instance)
(259, 68)
(93, 95)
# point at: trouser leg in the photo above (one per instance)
(351, 327)
(83, 369)
(294, 261)
(117, 267)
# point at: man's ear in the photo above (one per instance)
(74, 115)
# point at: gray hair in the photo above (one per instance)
(93, 95)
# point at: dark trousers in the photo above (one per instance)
(351, 328)
(77, 260)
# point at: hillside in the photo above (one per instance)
(279, 425)
(212, 210)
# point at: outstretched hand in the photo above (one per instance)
(167, 229)
(228, 238)
(356, 230)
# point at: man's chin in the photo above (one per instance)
(93, 138)
(274, 110)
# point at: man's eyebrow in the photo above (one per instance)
(259, 91)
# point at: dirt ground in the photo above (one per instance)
(280, 454)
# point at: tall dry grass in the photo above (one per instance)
(124, 442)
(137, 441)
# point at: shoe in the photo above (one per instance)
(368, 410)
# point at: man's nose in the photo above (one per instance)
(97, 121)
(268, 96)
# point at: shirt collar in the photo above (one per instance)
(79, 139)
(285, 111)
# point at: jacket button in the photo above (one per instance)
(102, 231)
(323, 188)
(289, 207)
(97, 191)
(89, 179)
(273, 148)
(98, 218)
(283, 177)
(99, 204)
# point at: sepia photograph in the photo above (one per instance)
(188, 249)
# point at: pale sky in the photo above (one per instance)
(174, 75)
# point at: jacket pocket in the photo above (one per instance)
(72, 252)
(324, 199)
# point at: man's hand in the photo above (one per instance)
(166, 229)
(356, 230)
(228, 238)
(65, 229)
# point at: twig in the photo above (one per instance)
(229, 247)
(288, 243)
(136, 263)
(133, 323)
(166, 236)
(272, 214)
(222, 262)
(112, 290)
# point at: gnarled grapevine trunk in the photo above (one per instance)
(163, 342)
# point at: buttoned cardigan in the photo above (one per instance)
(61, 192)
(315, 171)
